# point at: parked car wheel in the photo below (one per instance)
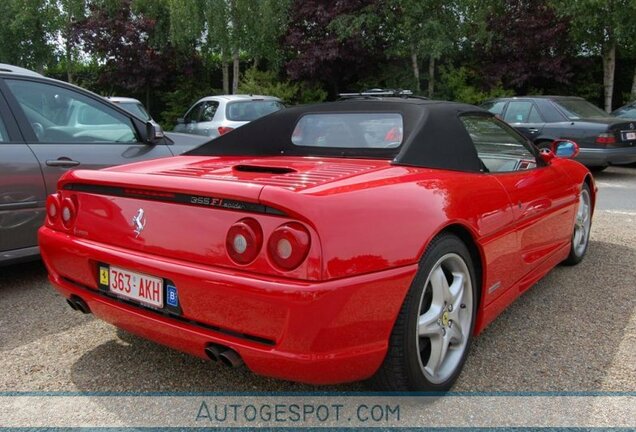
(582, 228)
(432, 334)
(597, 169)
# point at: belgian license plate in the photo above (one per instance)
(629, 136)
(138, 287)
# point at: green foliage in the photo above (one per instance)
(27, 31)
(85, 75)
(186, 21)
(394, 74)
(413, 29)
(347, 45)
(267, 83)
(311, 94)
(596, 23)
(459, 84)
(160, 12)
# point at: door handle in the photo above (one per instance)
(533, 130)
(62, 162)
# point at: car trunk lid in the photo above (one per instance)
(184, 207)
(619, 132)
(293, 173)
(624, 133)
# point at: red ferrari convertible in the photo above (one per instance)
(369, 237)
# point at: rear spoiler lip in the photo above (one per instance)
(187, 191)
(164, 183)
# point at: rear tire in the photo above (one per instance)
(582, 227)
(433, 331)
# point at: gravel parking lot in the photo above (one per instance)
(574, 331)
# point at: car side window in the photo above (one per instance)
(499, 147)
(60, 115)
(495, 107)
(192, 116)
(208, 110)
(519, 112)
(534, 116)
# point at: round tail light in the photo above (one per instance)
(244, 241)
(53, 208)
(67, 213)
(288, 245)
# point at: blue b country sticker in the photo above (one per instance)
(173, 298)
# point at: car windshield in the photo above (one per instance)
(251, 110)
(349, 130)
(576, 109)
(135, 109)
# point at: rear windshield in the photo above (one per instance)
(575, 109)
(251, 110)
(349, 130)
(628, 112)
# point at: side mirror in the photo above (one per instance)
(154, 133)
(566, 149)
(180, 121)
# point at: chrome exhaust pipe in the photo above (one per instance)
(79, 304)
(71, 303)
(231, 358)
(214, 352)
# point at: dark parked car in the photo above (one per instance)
(48, 127)
(626, 112)
(604, 140)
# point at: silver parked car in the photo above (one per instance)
(131, 105)
(213, 116)
(48, 127)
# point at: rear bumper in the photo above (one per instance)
(320, 333)
(607, 156)
(16, 256)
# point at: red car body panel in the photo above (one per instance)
(370, 222)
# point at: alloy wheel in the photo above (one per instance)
(445, 317)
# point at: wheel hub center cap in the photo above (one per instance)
(445, 319)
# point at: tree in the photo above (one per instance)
(601, 26)
(633, 92)
(265, 23)
(229, 30)
(27, 32)
(121, 39)
(411, 29)
(70, 12)
(525, 47)
(319, 53)
(429, 29)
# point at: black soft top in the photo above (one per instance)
(433, 136)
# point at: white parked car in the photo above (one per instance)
(213, 116)
(131, 105)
